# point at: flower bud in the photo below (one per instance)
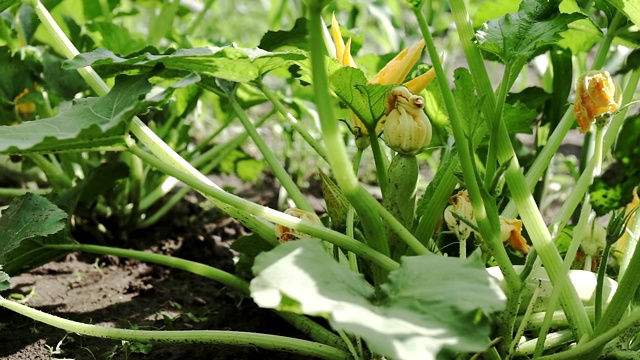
(511, 233)
(596, 94)
(285, 234)
(461, 205)
(407, 129)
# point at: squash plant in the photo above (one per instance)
(376, 269)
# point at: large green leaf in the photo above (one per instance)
(27, 221)
(90, 124)
(229, 63)
(631, 8)
(429, 303)
(520, 35)
(4, 280)
(367, 101)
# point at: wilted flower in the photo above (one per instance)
(285, 234)
(407, 129)
(394, 72)
(596, 94)
(511, 233)
(461, 205)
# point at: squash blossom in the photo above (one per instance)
(407, 129)
(394, 72)
(510, 229)
(461, 205)
(596, 94)
(511, 233)
(286, 234)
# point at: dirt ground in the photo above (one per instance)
(129, 294)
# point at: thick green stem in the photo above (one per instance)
(602, 270)
(578, 235)
(9, 192)
(209, 159)
(379, 159)
(235, 338)
(489, 227)
(342, 167)
(302, 323)
(594, 346)
(619, 304)
(245, 208)
(492, 160)
(281, 174)
(55, 175)
(521, 192)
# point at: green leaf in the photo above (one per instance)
(90, 124)
(429, 303)
(229, 63)
(243, 165)
(494, 9)
(4, 280)
(521, 35)
(296, 37)
(249, 247)
(367, 101)
(582, 34)
(23, 225)
(613, 189)
(631, 8)
(5, 4)
(116, 38)
(467, 101)
(518, 118)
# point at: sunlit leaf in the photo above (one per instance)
(4, 280)
(229, 63)
(631, 8)
(520, 35)
(297, 37)
(90, 124)
(367, 101)
(467, 101)
(28, 217)
(429, 303)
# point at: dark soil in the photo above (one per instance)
(124, 293)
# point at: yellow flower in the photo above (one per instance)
(394, 72)
(511, 233)
(596, 94)
(407, 129)
(286, 234)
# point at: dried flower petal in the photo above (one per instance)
(596, 94)
(285, 233)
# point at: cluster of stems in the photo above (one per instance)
(390, 228)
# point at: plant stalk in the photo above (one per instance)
(235, 338)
